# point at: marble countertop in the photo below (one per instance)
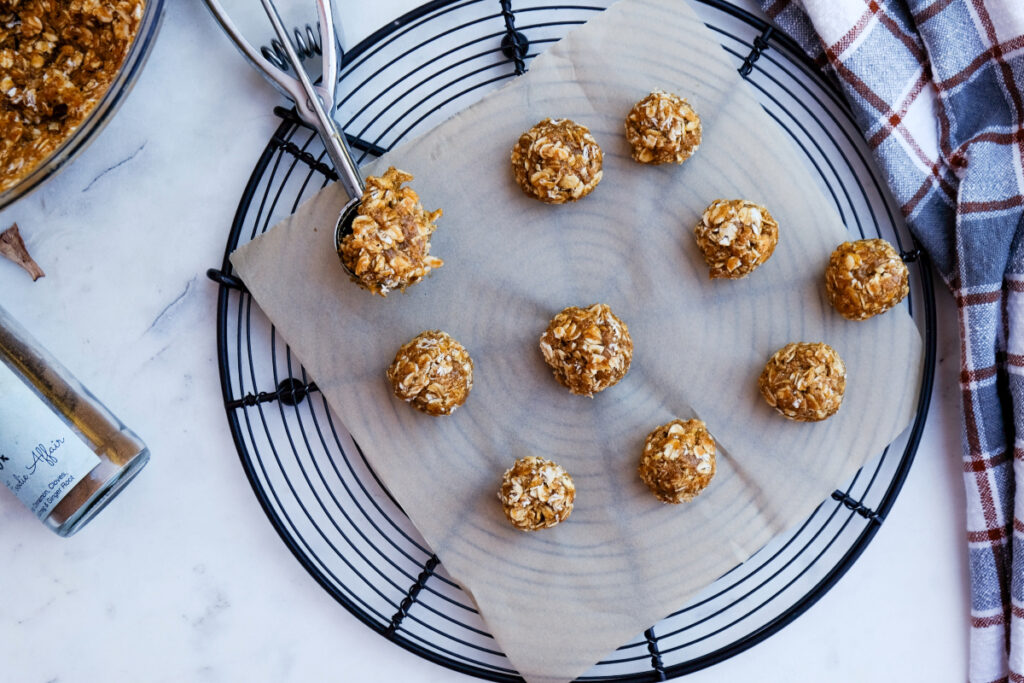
(183, 578)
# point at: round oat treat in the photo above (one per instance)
(536, 494)
(389, 247)
(663, 128)
(557, 161)
(433, 372)
(736, 236)
(678, 461)
(589, 349)
(865, 278)
(804, 381)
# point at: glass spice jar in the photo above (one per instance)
(62, 453)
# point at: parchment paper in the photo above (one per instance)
(560, 599)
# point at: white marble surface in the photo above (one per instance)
(183, 578)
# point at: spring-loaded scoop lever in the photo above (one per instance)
(313, 103)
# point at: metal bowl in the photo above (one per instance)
(101, 114)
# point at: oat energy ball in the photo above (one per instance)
(589, 349)
(736, 236)
(804, 381)
(557, 161)
(678, 460)
(865, 278)
(663, 128)
(433, 372)
(389, 247)
(536, 494)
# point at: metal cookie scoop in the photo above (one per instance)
(314, 103)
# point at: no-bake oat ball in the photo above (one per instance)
(389, 247)
(663, 128)
(433, 372)
(589, 349)
(804, 381)
(536, 494)
(736, 236)
(678, 460)
(865, 278)
(557, 161)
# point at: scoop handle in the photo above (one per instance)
(332, 136)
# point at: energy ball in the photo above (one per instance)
(389, 247)
(557, 161)
(589, 349)
(536, 494)
(865, 278)
(804, 381)
(433, 372)
(678, 461)
(736, 236)
(663, 128)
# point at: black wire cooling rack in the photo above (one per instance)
(314, 483)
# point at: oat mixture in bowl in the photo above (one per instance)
(65, 66)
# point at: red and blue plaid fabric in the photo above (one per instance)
(937, 87)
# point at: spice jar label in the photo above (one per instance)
(41, 458)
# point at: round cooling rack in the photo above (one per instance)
(314, 483)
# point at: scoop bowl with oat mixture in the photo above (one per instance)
(65, 69)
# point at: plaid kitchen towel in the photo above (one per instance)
(937, 87)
